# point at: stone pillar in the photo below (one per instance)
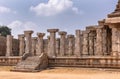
(91, 43)
(48, 46)
(52, 43)
(85, 50)
(115, 42)
(28, 48)
(104, 45)
(34, 42)
(62, 43)
(9, 51)
(21, 44)
(57, 46)
(99, 42)
(78, 43)
(70, 45)
(40, 43)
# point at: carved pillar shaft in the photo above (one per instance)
(34, 42)
(40, 43)
(28, 48)
(9, 43)
(62, 43)
(52, 43)
(91, 43)
(85, 44)
(70, 45)
(78, 43)
(115, 42)
(99, 42)
(57, 46)
(21, 44)
(104, 47)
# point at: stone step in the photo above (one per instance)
(32, 63)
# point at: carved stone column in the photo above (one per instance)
(40, 43)
(70, 45)
(9, 43)
(57, 46)
(78, 43)
(104, 45)
(99, 41)
(48, 46)
(115, 42)
(62, 43)
(21, 44)
(34, 42)
(52, 43)
(91, 43)
(85, 44)
(28, 48)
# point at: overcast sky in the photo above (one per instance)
(40, 15)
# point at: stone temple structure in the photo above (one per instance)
(97, 46)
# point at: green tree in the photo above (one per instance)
(4, 31)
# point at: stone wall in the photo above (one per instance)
(2, 46)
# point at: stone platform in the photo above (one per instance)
(93, 62)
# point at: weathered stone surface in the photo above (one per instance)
(85, 50)
(21, 44)
(57, 46)
(28, 48)
(33, 63)
(40, 43)
(78, 43)
(62, 43)
(52, 42)
(70, 45)
(34, 42)
(9, 45)
(99, 42)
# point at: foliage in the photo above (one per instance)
(4, 31)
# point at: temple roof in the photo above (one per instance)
(116, 12)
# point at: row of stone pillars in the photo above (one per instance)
(85, 43)
(27, 47)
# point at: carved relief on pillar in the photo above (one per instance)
(52, 42)
(99, 40)
(115, 41)
(85, 50)
(91, 43)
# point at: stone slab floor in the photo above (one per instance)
(60, 73)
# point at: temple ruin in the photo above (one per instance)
(98, 46)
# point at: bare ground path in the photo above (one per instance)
(60, 73)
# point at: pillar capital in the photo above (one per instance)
(40, 34)
(70, 36)
(28, 32)
(21, 36)
(62, 33)
(52, 30)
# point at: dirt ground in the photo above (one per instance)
(60, 73)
